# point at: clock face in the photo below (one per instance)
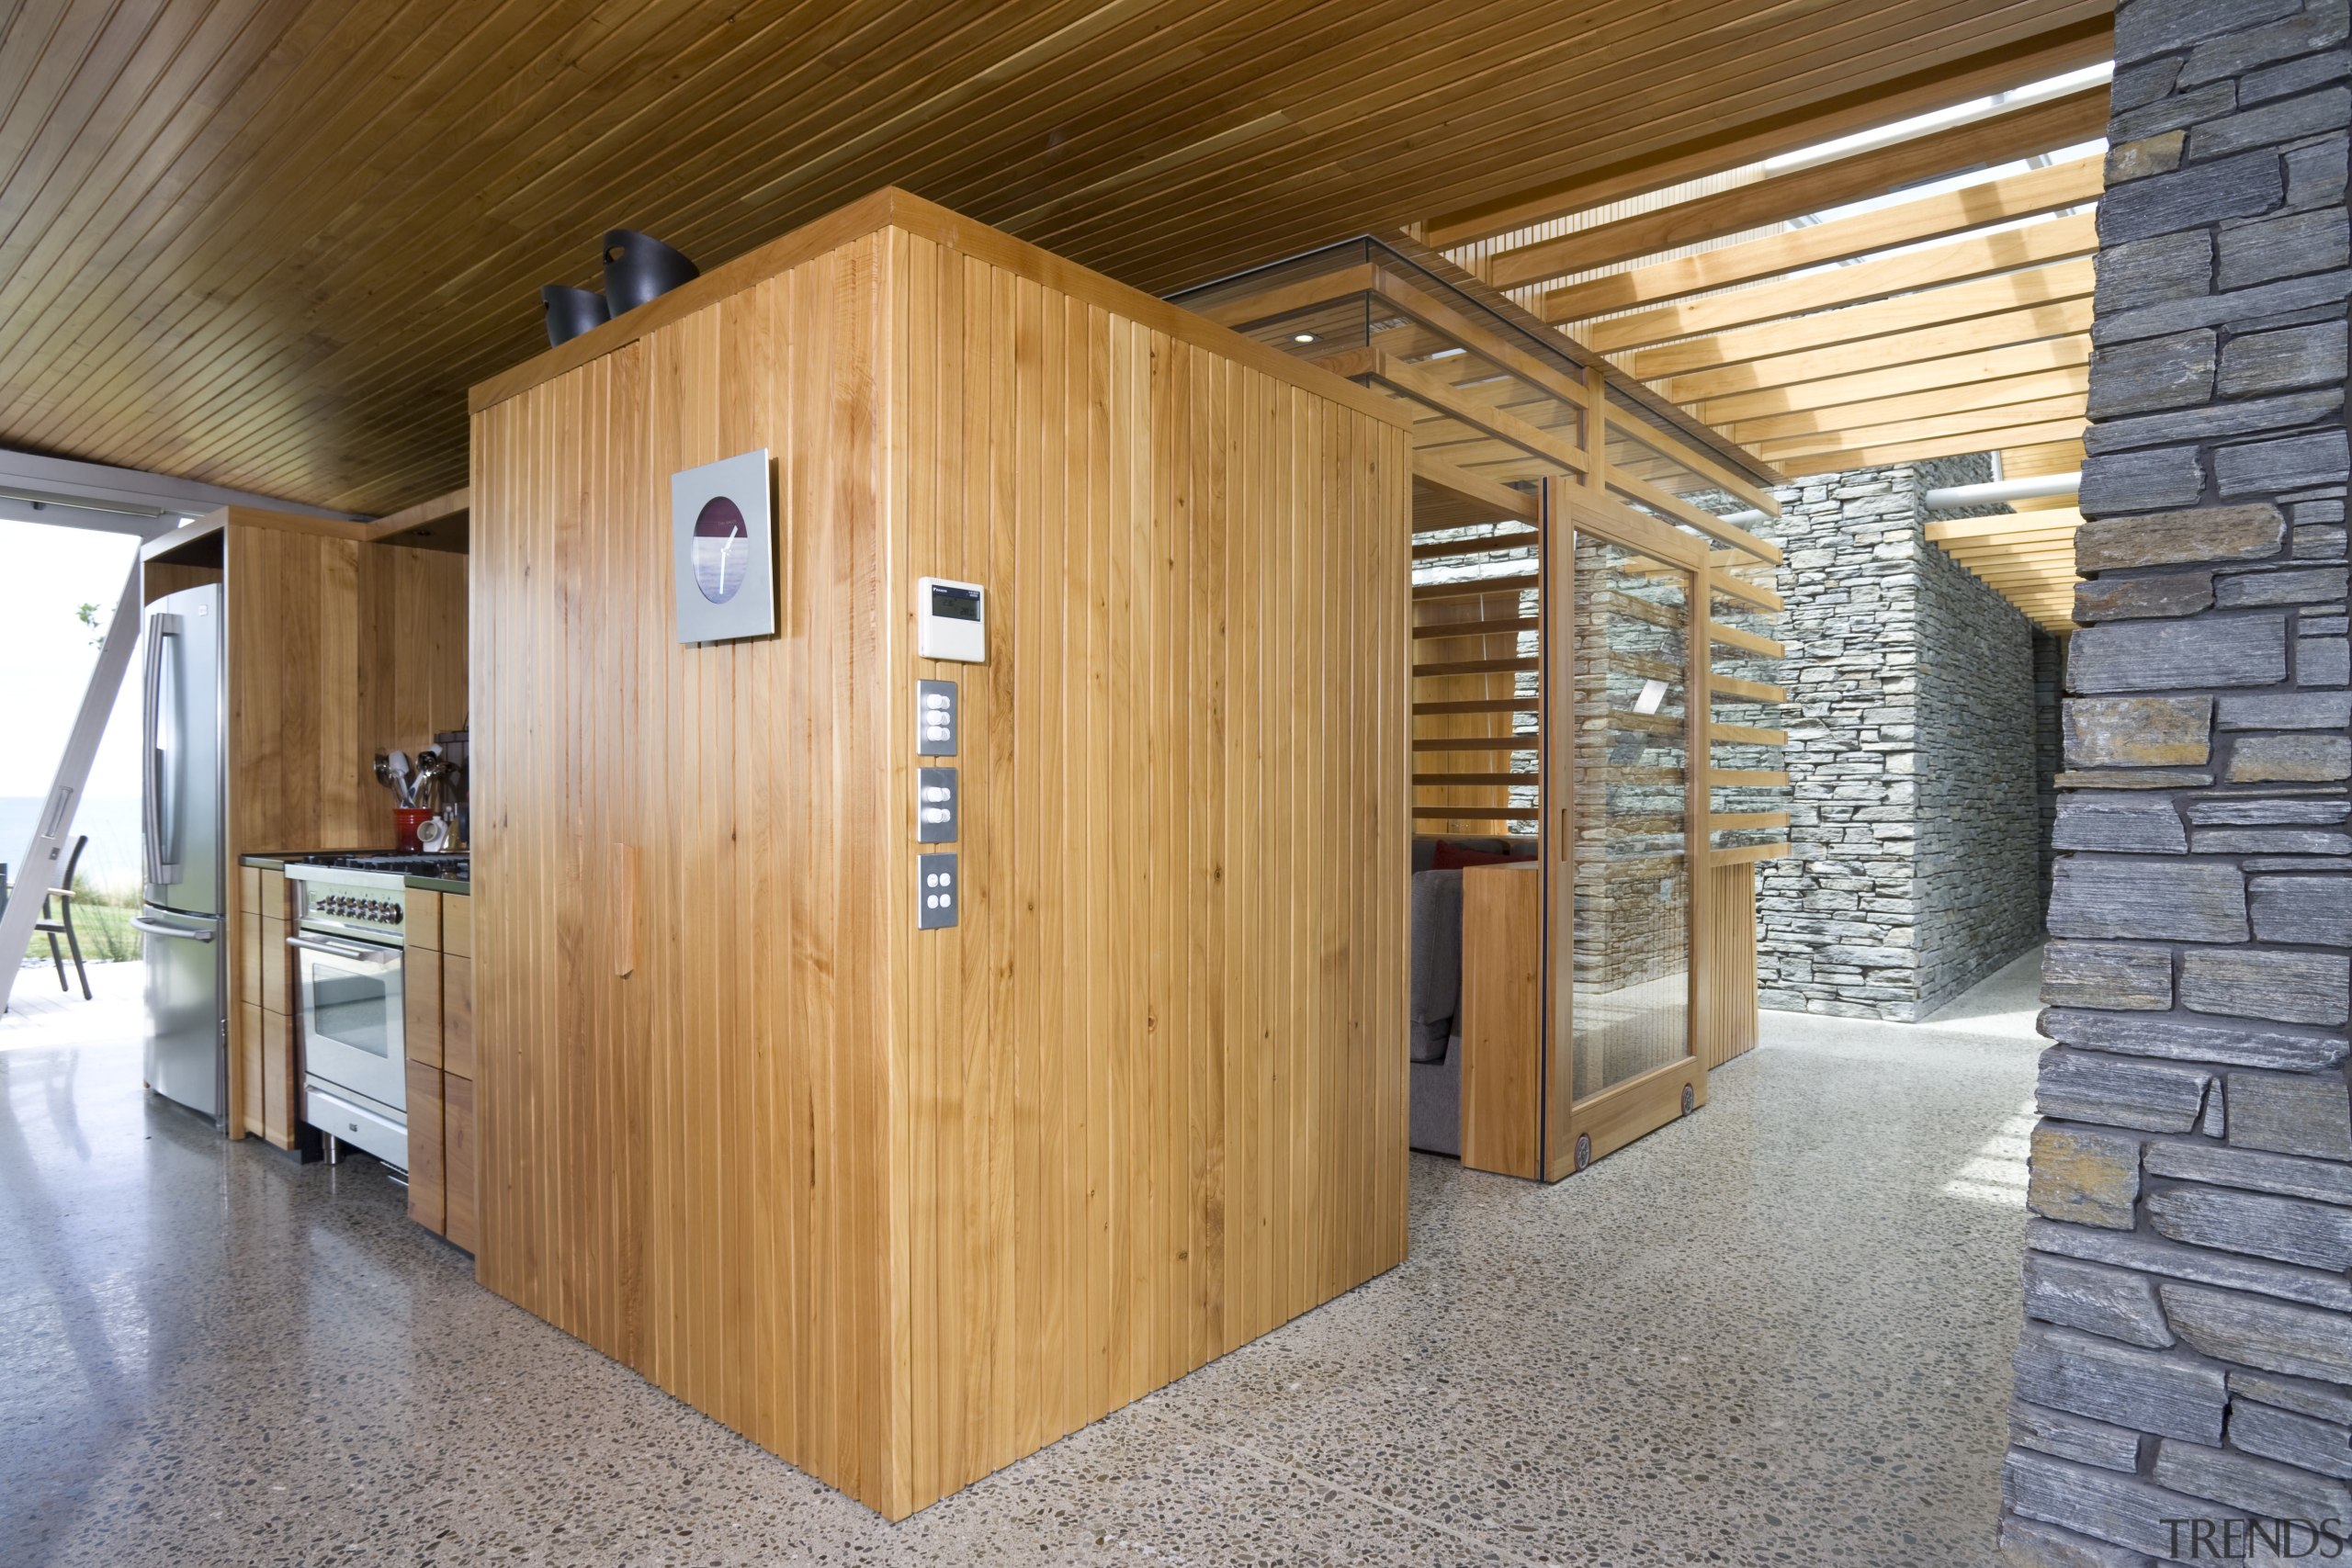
(722, 550)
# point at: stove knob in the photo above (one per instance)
(396, 916)
(334, 906)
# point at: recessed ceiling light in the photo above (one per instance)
(1302, 337)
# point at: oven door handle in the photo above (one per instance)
(340, 949)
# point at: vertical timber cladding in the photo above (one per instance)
(904, 1206)
(2188, 1353)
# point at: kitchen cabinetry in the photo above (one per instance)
(261, 1021)
(439, 986)
(342, 639)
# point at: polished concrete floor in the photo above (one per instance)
(1776, 1332)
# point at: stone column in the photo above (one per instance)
(2185, 1370)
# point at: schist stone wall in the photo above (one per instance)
(2184, 1379)
(1914, 866)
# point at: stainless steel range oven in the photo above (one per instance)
(348, 960)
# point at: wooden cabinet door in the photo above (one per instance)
(421, 1007)
(458, 1015)
(428, 1198)
(459, 1174)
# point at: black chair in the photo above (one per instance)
(64, 923)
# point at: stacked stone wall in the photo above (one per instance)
(2184, 1379)
(1914, 866)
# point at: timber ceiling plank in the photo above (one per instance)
(2082, 35)
(2066, 320)
(1953, 261)
(2039, 128)
(1898, 378)
(2026, 195)
(268, 243)
(1907, 312)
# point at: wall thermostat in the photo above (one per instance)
(951, 620)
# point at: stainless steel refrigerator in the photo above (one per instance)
(183, 917)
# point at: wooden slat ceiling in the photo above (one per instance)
(269, 244)
(1949, 321)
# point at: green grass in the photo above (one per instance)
(101, 918)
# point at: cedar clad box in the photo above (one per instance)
(905, 1205)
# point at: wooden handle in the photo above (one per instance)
(624, 909)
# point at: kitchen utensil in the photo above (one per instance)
(572, 312)
(431, 835)
(398, 762)
(639, 269)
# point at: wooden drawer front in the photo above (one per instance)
(427, 1202)
(249, 980)
(273, 894)
(458, 1173)
(421, 1020)
(458, 1015)
(249, 890)
(279, 1100)
(275, 997)
(421, 919)
(458, 924)
(248, 1045)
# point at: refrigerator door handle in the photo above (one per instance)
(156, 927)
(150, 825)
(162, 869)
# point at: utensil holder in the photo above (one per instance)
(407, 819)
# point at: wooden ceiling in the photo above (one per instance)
(1945, 311)
(269, 244)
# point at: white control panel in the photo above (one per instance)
(951, 620)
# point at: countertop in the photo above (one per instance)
(428, 884)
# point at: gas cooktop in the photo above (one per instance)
(449, 868)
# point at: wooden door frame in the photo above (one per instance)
(1622, 1112)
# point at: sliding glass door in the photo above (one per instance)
(1625, 826)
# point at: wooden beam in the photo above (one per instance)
(1491, 544)
(1896, 380)
(2016, 133)
(1691, 459)
(1918, 451)
(2026, 195)
(1748, 641)
(2067, 321)
(2081, 42)
(1907, 312)
(1992, 394)
(1722, 581)
(1503, 500)
(2022, 524)
(1955, 261)
(1740, 854)
(1960, 421)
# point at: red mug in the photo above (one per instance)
(408, 819)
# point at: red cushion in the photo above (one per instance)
(1451, 856)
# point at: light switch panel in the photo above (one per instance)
(938, 891)
(936, 718)
(935, 806)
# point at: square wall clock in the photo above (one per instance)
(722, 544)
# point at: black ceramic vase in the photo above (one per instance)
(638, 267)
(572, 312)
